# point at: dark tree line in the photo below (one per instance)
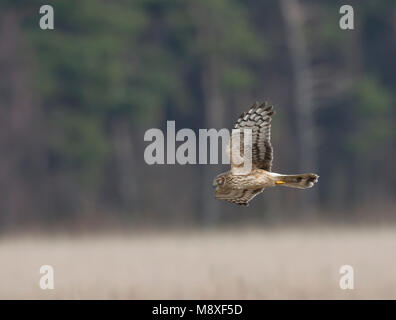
(75, 103)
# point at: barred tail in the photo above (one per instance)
(301, 181)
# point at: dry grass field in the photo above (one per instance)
(292, 263)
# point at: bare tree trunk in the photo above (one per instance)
(213, 100)
(16, 119)
(214, 118)
(305, 134)
(125, 166)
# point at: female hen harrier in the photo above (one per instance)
(240, 188)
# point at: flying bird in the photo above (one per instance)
(238, 186)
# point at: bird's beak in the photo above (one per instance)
(214, 184)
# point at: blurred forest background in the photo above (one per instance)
(75, 103)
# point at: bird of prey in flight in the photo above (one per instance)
(240, 187)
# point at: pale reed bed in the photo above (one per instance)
(290, 263)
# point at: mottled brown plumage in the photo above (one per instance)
(239, 187)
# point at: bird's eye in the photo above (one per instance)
(220, 181)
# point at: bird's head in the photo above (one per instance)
(219, 181)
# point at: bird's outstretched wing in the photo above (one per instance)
(258, 119)
(238, 196)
